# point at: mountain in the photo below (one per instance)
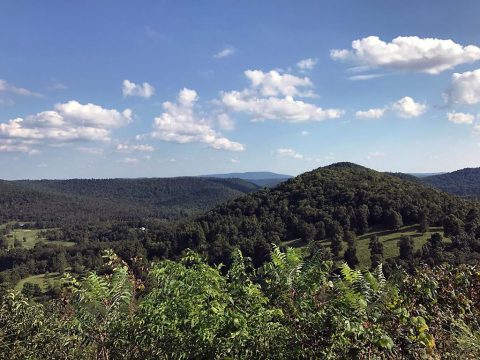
(422, 175)
(84, 200)
(260, 178)
(465, 182)
(319, 204)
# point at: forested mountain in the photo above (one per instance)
(260, 178)
(82, 200)
(465, 182)
(322, 204)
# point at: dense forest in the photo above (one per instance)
(80, 201)
(465, 182)
(123, 287)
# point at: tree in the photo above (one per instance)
(423, 227)
(31, 290)
(406, 248)
(376, 251)
(395, 220)
(361, 219)
(350, 255)
(452, 226)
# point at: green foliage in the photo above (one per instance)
(290, 308)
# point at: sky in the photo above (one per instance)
(115, 88)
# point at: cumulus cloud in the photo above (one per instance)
(142, 90)
(307, 64)
(225, 52)
(406, 107)
(271, 97)
(179, 123)
(273, 83)
(289, 153)
(370, 114)
(126, 148)
(465, 88)
(408, 53)
(225, 122)
(67, 122)
(460, 118)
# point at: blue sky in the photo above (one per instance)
(169, 88)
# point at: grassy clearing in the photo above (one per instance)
(389, 238)
(30, 237)
(43, 280)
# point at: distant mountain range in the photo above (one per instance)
(260, 178)
(464, 182)
(84, 200)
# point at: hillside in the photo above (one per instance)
(321, 204)
(82, 200)
(465, 182)
(260, 178)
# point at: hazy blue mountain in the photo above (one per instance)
(260, 178)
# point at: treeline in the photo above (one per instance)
(290, 308)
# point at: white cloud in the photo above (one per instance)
(460, 118)
(273, 83)
(304, 133)
(225, 52)
(406, 107)
(128, 160)
(68, 122)
(6, 87)
(465, 88)
(179, 123)
(143, 90)
(273, 108)
(225, 122)
(290, 153)
(364, 77)
(375, 154)
(370, 114)
(90, 150)
(125, 148)
(271, 97)
(307, 64)
(234, 161)
(408, 53)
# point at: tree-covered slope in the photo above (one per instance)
(82, 200)
(465, 182)
(320, 204)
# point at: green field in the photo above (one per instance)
(30, 237)
(389, 238)
(42, 280)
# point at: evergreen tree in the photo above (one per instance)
(423, 227)
(376, 251)
(406, 248)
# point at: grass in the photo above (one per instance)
(389, 238)
(30, 237)
(43, 280)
